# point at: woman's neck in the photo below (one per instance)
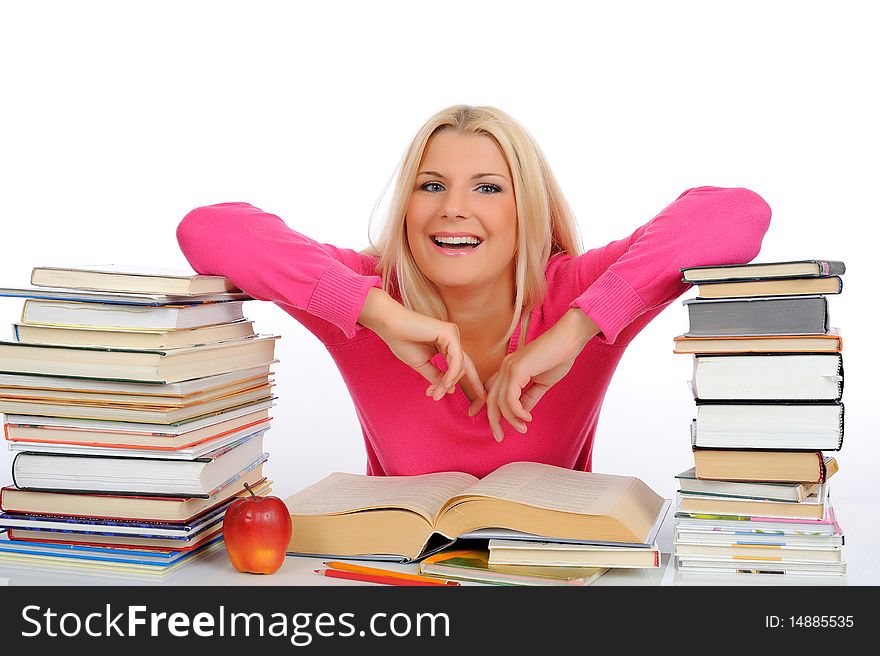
(483, 317)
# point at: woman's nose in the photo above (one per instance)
(456, 205)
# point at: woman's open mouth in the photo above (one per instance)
(456, 245)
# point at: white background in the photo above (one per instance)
(118, 118)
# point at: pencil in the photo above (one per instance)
(370, 578)
(348, 567)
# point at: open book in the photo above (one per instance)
(406, 518)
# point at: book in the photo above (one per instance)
(730, 537)
(202, 477)
(830, 342)
(117, 397)
(180, 389)
(159, 366)
(191, 453)
(130, 278)
(812, 507)
(88, 314)
(779, 466)
(688, 482)
(135, 413)
(757, 315)
(722, 566)
(765, 552)
(473, 565)
(762, 270)
(86, 530)
(127, 561)
(191, 541)
(772, 287)
(776, 426)
(138, 339)
(749, 526)
(768, 376)
(405, 518)
(114, 506)
(96, 432)
(557, 554)
(118, 298)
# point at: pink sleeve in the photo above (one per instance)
(269, 261)
(629, 277)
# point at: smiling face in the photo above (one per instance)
(461, 220)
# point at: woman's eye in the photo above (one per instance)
(493, 189)
(427, 186)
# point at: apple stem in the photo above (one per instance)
(248, 488)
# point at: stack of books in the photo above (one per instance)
(768, 386)
(565, 523)
(135, 401)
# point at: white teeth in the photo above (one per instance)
(457, 240)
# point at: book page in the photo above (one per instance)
(554, 488)
(341, 492)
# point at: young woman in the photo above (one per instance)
(477, 285)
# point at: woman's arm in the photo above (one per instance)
(268, 260)
(611, 293)
(625, 280)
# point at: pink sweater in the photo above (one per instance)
(621, 287)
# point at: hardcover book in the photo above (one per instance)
(115, 506)
(406, 518)
(473, 565)
(88, 314)
(688, 482)
(769, 425)
(830, 342)
(772, 287)
(557, 554)
(130, 278)
(757, 315)
(768, 377)
(762, 270)
(202, 477)
(776, 466)
(158, 366)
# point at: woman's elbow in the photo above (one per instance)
(736, 217)
(753, 216)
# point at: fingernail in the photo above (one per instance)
(430, 390)
(497, 437)
(528, 416)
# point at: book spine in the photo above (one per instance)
(840, 438)
(822, 471)
(831, 267)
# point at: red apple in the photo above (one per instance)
(256, 531)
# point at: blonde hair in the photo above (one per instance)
(546, 224)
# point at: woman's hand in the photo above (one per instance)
(415, 338)
(542, 362)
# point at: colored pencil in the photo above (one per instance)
(362, 569)
(370, 578)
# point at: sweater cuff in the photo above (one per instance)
(340, 295)
(611, 303)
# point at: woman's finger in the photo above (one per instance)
(532, 395)
(432, 374)
(513, 395)
(478, 401)
(469, 372)
(509, 390)
(493, 413)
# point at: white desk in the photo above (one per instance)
(858, 521)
